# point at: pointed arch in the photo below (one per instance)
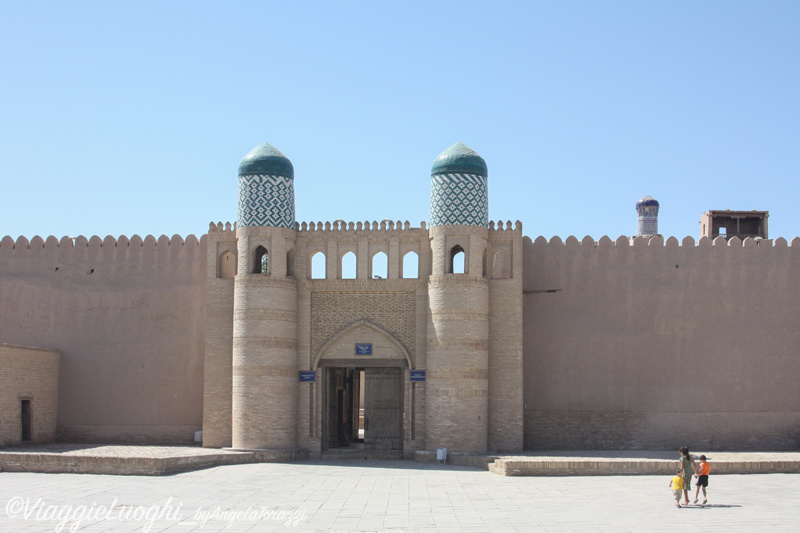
(379, 265)
(319, 266)
(348, 265)
(227, 265)
(458, 261)
(261, 263)
(358, 324)
(411, 265)
(290, 263)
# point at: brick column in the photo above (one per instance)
(265, 369)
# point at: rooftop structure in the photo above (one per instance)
(727, 223)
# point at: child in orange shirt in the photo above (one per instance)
(676, 484)
(702, 479)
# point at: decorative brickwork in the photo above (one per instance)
(332, 312)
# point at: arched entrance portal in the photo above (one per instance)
(362, 372)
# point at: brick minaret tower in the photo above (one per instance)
(265, 369)
(458, 309)
(647, 208)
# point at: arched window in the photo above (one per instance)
(457, 257)
(411, 265)
(318, 266)
(501, 267)
(261, 265)
(227, 265)
(380, 266)
(290, 263)
(484, 267)
(349, 266)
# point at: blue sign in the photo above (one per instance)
(417, 375)
(308, 376)
(363, 349)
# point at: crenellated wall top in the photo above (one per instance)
(508, 226)
(659, 242)
(341, 225)
(340, 230)
(37, 242)
(219, 227)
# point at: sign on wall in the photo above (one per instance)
(363, 348)
(417, 375)
(308, 376)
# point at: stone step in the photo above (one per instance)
(355, 454)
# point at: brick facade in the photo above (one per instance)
(633, 343)
(28, 374)
(284, 316)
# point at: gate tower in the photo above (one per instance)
(458, 304)
(265, 369)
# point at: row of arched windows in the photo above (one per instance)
(378, 267)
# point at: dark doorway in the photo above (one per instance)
(364, 408)
(26, 420)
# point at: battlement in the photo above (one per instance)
(108, 258)
(36, 243)
(219, 227)
(341, 225)
(659, 242)
(516, 227)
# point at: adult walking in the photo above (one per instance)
(689, 469)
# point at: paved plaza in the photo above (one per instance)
(385, 496)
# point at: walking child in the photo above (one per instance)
(702, 479)
(676, 484)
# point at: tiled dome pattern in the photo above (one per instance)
(459, 199)
(646, 201)
(265, 200)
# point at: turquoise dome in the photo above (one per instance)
(266, 159)
(459, 188)
(459, 159)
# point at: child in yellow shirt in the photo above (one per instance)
(676, 484)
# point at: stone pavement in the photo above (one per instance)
(386, 496)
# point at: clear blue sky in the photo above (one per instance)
(122, 118)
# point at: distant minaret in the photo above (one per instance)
(647, 207)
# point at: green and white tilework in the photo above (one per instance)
(459, 199)
(266, 200)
